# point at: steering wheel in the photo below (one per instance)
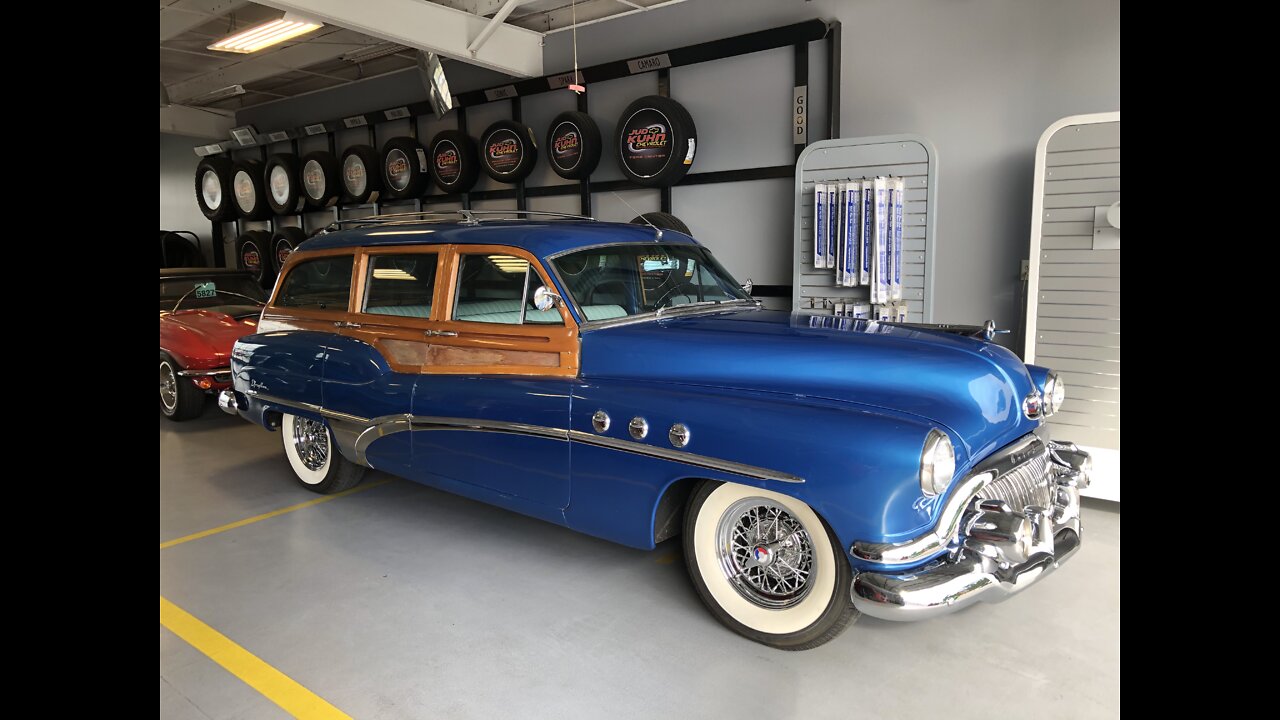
(255, 301)
(672, 291)
(591, 294)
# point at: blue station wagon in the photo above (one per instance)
(615, 379)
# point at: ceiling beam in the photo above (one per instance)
(183, 15)
(432, 27)
(196, 122)
(254, 67)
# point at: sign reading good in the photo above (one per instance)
(398, 175)
(566, 146)
(246, 197)
(447, 162)
(280, 184)
(503, 151)
(353, 174)
(250, 258)
(646, 138)
(313, 179)
(282, 253)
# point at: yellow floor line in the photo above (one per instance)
(273, 513)
(273, 684)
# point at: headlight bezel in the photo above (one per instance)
(1055, 392)
(937, 463)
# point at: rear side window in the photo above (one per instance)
(323, 284)
(400, 285)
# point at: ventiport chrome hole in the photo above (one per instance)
(678, 435)
(600, 421)
(765, 553)
(639, 428)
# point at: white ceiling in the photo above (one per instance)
(389, 30)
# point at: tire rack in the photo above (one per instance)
(798, 36)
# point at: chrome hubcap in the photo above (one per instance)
(168, 386)
(765, 553)
(311, 440)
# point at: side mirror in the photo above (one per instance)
(748, 286)
(544, 299)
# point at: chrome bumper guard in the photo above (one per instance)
(222, 374)
(228, 403)
(995, 550)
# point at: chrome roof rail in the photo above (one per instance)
(467, 217)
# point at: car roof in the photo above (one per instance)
(196, 272)
(541, 238)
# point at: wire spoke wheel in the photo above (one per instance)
(168, 386)
(311, 439)
(765, 553)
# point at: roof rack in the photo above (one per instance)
(469, 217)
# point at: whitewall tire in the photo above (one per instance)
(767, 566)
(314, 458)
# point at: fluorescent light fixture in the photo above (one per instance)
(392, 274)
(267, 34)
(509, 264)
(229, 91)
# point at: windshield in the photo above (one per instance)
(621, 280)
(214, 291)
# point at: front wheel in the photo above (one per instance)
(767, 566)
(315, 460)
(180, 399)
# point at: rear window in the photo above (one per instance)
(323, 284)
(400, 285)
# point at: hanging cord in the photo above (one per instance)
(576, 85)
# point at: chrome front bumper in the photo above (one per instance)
(994, 549)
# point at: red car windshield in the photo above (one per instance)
(212, 291)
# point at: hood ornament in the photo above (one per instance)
(989, 330)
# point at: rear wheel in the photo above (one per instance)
(180, 399)
(315, 460)
(767, 566)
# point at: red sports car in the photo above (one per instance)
(203, 312)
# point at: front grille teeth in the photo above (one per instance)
(1024, 486)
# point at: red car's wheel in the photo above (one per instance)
(180, 399)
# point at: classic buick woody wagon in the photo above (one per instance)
(616, 380)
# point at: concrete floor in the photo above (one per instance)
(406, 602)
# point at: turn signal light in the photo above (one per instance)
(204, 383)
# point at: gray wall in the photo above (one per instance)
(980, 78)
(178, 209)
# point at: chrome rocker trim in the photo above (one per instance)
(214, 372)
(996, 550)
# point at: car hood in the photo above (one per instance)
(971, 387)
(216, 330)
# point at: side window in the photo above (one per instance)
(401, 285)
(323, 284)
(494, 289)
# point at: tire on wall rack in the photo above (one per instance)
(656, 141)
(361, 170)
(251, 255)
(454, 161)
(508, 151)
(179, 251)
(405, 170)
(284, 191)
(666, 221)
(283, 243)
(249, 190)
(573, 145)
(767, 566)
(213, 188)
(320, 178)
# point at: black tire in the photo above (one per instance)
(283, 243)
(249, 190)
(183, 400)
(405, 170)
(656, 141)
(454, 161)
(335, 474)
(215, 199)
(508, 151)
(818, 616)
(284, 191)
(320, 179)
(666, 221)
(179, 251)
(251, 255)
(573, 145)
(361, 174)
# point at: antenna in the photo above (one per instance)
(657, 230)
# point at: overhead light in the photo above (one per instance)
(219, 94)
(267, 34)
(509, 264)
(373, 52)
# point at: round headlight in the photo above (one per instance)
(1055, 391)
(937, 463)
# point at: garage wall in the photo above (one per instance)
(980, 78)
(178, 209)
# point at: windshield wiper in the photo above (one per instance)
(700, 303)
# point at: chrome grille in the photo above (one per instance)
(1026, 484)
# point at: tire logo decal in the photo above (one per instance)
(646, 138)
(504, 152)
(448, 167)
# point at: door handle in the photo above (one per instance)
(440, 333)
(345, 324)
